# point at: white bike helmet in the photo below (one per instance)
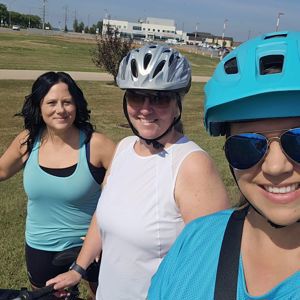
(155, 67)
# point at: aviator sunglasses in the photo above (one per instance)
(245, 150)
(156, 98)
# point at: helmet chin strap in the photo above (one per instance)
(155, 142)
(274, 225)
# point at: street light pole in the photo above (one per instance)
(9, 12)
(223, 34)
(196, 31)
(278, 20)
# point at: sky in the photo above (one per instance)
(245, 18)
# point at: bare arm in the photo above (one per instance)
(90, 250)
(102, 150)
(14, 157)
(199, 189)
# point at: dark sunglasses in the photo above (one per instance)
(157, 98)
(245, 150)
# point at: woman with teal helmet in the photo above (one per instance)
(251, 252)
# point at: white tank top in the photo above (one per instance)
(138, 218)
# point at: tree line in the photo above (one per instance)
(9, 18)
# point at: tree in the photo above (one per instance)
(75, 25)
(109, 51)
(99, 25)
(80, 27)
(3, 14)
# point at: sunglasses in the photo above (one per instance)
(157, 99)
(245, 150)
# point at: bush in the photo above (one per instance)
(109, 51)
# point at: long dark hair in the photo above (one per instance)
(31, 111)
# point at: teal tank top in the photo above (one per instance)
(59, 209)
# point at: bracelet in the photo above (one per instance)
(78, 269)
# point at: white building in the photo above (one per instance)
(149, 29)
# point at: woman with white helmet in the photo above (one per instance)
(252, 252)
(157, 182)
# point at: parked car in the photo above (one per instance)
(15, 27)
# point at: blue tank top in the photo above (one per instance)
(59, 209)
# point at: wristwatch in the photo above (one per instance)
(78, 269)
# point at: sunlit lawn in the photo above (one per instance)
(20, 51)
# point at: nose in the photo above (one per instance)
(276, 162)
(146, 108)
(60, 108)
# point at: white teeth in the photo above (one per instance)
(146, 121)
(281, 190)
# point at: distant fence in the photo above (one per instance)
(213, 53)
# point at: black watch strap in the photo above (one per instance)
(78, 269)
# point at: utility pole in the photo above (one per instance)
(196, 32)
(66, 17)
(278, 20)
(9, 13)
(29, 18)
(223, 34)
(44, 13)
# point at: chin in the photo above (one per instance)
(283, 218)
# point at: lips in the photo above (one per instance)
(281, 194)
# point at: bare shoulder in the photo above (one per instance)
(199, 162)
(19, 142)
(99, 139)
(102, 149)
(199, 189)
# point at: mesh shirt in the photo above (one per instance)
(189, 270)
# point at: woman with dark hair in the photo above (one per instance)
(64, 162)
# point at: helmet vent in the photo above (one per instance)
(231, 66)
(271, 64)
(147, 59)
(167, 51)
(159, 68)
(152, 46)
(171, 59)
(280, 35)
(134, 69)
(127, 58)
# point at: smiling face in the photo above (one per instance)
(152, 114)
(273, 184)
(58, 108)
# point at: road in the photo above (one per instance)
(89, 76)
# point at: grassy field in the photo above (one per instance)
(106, 106)
(19, 50)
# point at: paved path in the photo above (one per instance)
(90, 76)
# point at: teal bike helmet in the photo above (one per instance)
(257, 80)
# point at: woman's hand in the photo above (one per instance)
(65, 280)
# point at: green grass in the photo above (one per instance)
(105, 102)
(39, 52)
(22, 51)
